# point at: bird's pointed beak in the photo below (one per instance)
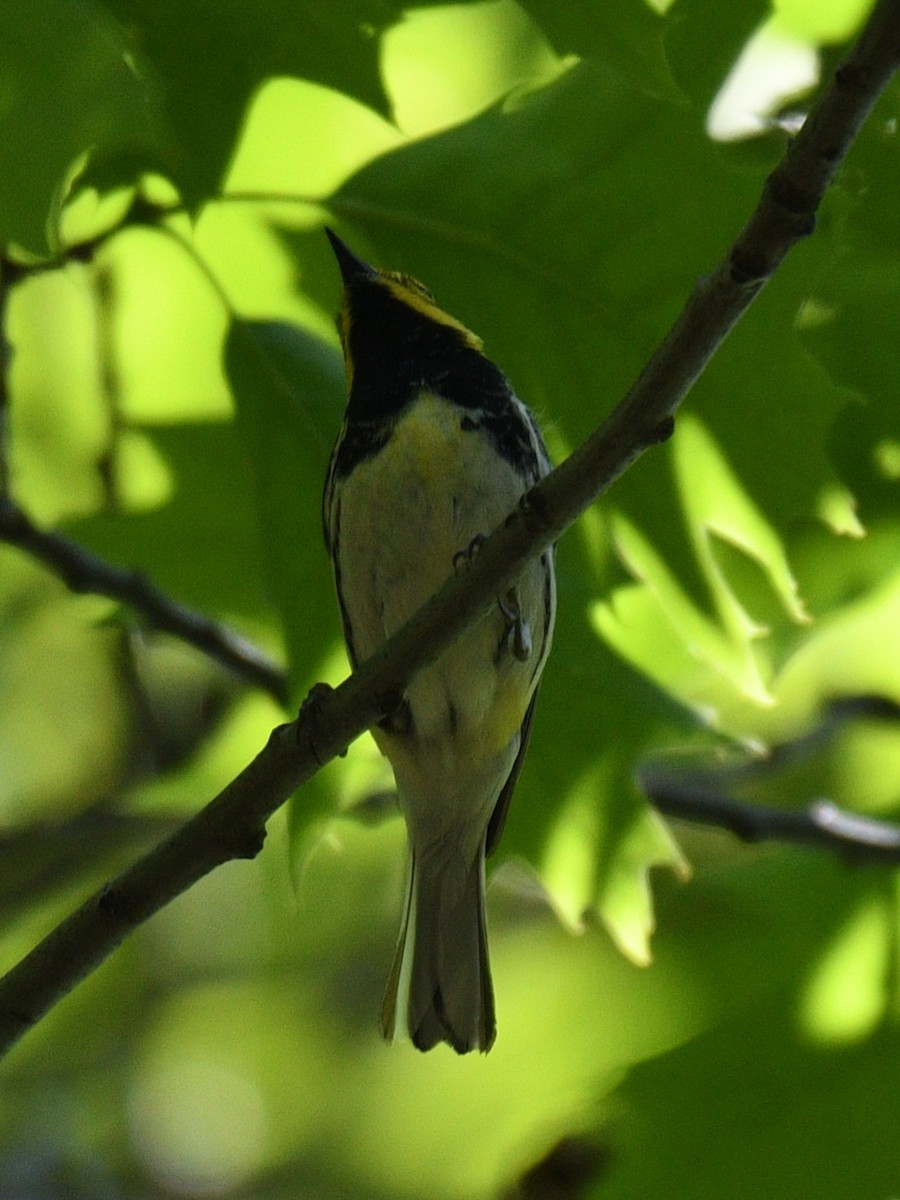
(351, 266)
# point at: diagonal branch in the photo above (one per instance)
(700, 794)
(85, 572)
(233, 825)
(821, 824)
(82, 571)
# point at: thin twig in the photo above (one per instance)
(719, 776)
(699, 793)
(233, 825)
(85, 572)
(821, 824)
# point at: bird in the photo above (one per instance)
(434, 452)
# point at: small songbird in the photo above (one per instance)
(434, 452)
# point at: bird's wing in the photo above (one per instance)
(501, 808)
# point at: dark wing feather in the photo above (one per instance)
(331, 526)
(501, 808)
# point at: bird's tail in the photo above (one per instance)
(439, 988)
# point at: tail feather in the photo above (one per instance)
(439, 989)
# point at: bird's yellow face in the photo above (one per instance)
(409, 292)
(416, 295)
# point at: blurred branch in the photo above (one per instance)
(233, 825)
(85, 572)
(839, 711)
(700, 795)
(821, 824)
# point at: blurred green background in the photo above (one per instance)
(559, 176)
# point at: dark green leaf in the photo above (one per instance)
(67, 89)
(625, 35)
(289, 392)
(203, 546)
(209, 59)
(703, 40)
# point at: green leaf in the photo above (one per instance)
(851, 321)
(203, 545)
(67, 89)
(625, 35)
(786, 1117)
(537, 223)
(703, 40)
(209, 59)
(289, 392)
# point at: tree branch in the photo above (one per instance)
(83, 571)
(699, 795)
(821, 824)
(232, 826)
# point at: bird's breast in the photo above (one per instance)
(408, 511)
(405, 516)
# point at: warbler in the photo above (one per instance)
(434, 452)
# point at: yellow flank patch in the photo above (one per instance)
(421, 302)
(508, 712)
(467, 747)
